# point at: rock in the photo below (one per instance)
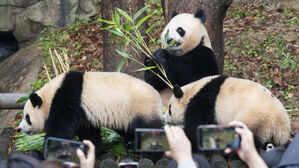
(19, 70)
(5, 138)
(28, 17)
(17, 3)
(17, 74)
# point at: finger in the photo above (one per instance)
(91, 147)
(168, 132)
(81, 155)
(228, 150)
(168, 154)
(238, 124)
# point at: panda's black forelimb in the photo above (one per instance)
(67, 118)
(201, 109)
(139, 122)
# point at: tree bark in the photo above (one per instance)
(215, 11)
(111, 57)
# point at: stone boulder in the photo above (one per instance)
(19, 70)
(17, 73)
(26, 18)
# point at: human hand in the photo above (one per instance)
(247, 151)
(89, 160)
(180, 146)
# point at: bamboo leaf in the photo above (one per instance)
(106, 21)
(116, 32)
(145, 68)
(139, 12)
(123, 54)
(123, 42)
(117, 20)
(125, 14)
(150, 28)
(143, 20)
(121, 64)
(24, 98)
(128, 27)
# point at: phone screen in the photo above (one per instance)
(215, 137)
(151, 140)
(62, 150)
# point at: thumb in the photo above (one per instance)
(168, 154)
(80, 155)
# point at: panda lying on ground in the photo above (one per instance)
(189, 59)
(77, 103)
(220, 99)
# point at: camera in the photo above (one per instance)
(63, 150)
(150, 140)
(216, 137)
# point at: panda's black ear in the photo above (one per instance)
(201, 15)
(174, 13)
(177, 91)
(35, 100)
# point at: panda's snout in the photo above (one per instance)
(19, 130)
(169, 40)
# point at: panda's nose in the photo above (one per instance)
(169, 40)
(19, 130)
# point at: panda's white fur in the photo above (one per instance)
(241, 100)
(77, 103)
(110, 99)
(194, 32)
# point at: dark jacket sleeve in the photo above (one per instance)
(290, 159)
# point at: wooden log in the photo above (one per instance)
(108, 163)
(218, 160)
(162, 163)
(8, 100)
(145, 163)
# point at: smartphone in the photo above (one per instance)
(150, 140)
(128, 165)
(63, 150)
(216, 137)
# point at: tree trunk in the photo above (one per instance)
(215, 11)
(111, 57)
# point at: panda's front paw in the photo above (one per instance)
(148, 62)
(161, 56)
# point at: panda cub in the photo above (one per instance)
(77, 103)
(189, 59)
(221, 99)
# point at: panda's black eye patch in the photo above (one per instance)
(169, 109)
(181, 31)
(28, 119)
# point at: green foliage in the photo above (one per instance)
(112, 142)
(24, 98)
(127, 30)
(28, 142)
(229, 65)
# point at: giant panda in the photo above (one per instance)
(78, 103)
(220, 99)
(189, 59)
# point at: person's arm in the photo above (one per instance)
(180, 147)
(247, 151)
(89, 160)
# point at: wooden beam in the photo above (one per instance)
(8, 101)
